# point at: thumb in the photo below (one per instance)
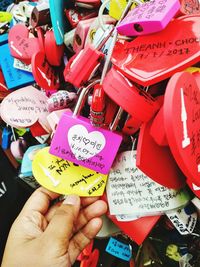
(60, 228)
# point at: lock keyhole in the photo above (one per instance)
(78, 39)
(138, 27)
(34, 18)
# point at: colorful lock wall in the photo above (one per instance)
(101, 99)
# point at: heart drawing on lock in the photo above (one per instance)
(83, 144)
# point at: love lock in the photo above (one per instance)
(45, 75)
(181, 121)
(77, 140)
(138, 103)
(21, 46)
(149, 59)
(149, 17)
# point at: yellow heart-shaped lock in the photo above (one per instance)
(5, 16)
(65, 177)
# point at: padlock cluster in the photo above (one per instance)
(102, 99)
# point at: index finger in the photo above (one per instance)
(39, 201)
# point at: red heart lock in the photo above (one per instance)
(40, 34)
(157, 161)
(139, 229)
(152, 58)
(182, 123)
(54, 52)
(21, 46)
(45, 76)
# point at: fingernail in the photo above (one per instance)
(71, 200)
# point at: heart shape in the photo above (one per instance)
(65, 177)
(28, 106)
(151, 58)
(21, 46)
(85, 145)
(181, 122)
(45, 76)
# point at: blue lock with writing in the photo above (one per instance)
(14, 78)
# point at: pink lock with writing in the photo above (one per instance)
(78, 141)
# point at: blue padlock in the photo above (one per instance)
(14, 78)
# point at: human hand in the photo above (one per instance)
(44, 236)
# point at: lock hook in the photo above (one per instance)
(82, 97)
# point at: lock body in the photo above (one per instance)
(78, 71)
(136, 102)
(152, 58)
(78, 141)
(149, 17)
(81, 34)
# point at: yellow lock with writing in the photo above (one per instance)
(65, 177)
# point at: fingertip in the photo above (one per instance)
(72, 200)
(85, 201)
(95, 226)
(51, 195)
(103, 207)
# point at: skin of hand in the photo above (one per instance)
(52, 236)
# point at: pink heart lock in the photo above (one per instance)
(29, 105)
(182, 122)
(21, 45)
